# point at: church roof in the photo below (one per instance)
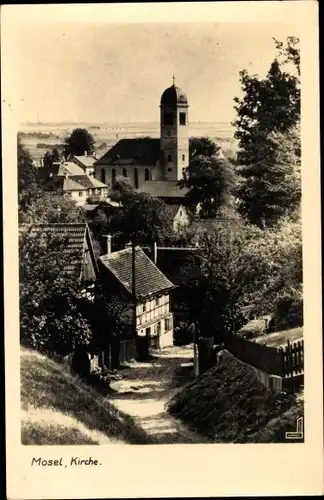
(173, 96)
(139, 151)
(164, 189)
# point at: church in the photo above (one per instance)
(154, 166)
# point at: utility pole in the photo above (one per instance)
(134, 290)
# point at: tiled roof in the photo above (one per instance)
(78, 183)
(87, 161)
(74, 234)
(70, 168)
(144, 151)
(149, 279)
(164, 189)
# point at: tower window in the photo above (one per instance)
(182, 118)
(168, 119)
(169, 169)
(103, 175)
(147, 174)
(124, 172)
(183, 157)
(169, 157)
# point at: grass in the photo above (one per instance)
(277, 339)
(58, 408)
(228, 404)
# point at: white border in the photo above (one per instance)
(171, 470)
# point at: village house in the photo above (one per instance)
(86, 162)
(69, 179)
(154, 319)
(77, 243)
(154, 166)
(179, 216)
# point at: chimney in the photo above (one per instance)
(154, 252)
(108, 243)
(85, 153)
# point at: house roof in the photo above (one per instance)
(144, 151)
(77, 183)
(87, 161)
(149, 280)
(77, 235)
(69, 167)
(174, 209)
(164, 189)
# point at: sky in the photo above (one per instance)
(116, 73)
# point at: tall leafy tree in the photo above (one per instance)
(211, 181)
(202, 146)
(79, 142)
(140, 218)
(268, 117)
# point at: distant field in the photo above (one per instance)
(111, 133)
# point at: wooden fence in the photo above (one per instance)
(292, 358)
(284, 361)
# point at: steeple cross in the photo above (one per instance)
(173, 78)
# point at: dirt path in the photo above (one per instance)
(148, 386)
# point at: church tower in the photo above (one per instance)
(174, 141)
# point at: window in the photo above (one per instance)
(183, 157)
(113, 176)
(144, 306)
(157, 301)
(147, 174)
(168, 119)
(148, 331)
(136, 177)
(80, 193)
(182, 118)
(169, 169)
(169, 158)
(124, 172)
(167, 324)
(169, 133)
(103, 175)
(157, 328)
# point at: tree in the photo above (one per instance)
(269, 104)
(50, 207)
(268, 117)
(211, 181)
(51, 318)
(80, 141)
(244, 266)
(202, 146)
(271, 185)
(140, 218)
(52, 156)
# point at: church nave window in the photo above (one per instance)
(147, 174)
(124, 172)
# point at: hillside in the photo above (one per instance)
(58, 408)
(229, 404)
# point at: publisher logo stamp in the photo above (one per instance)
(299, 432)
